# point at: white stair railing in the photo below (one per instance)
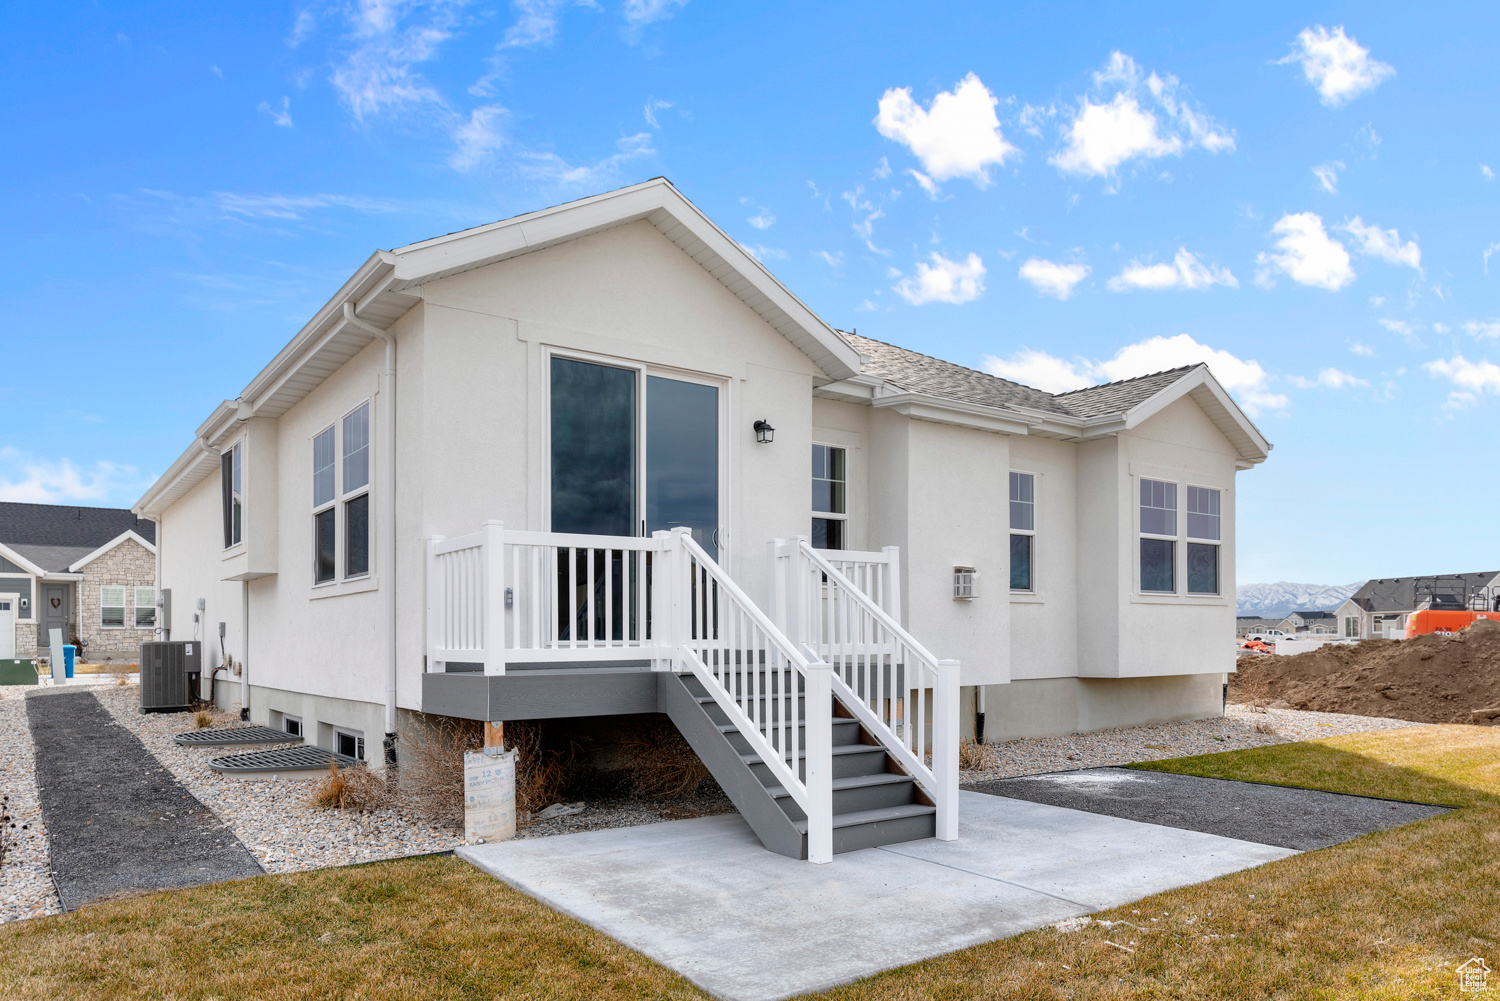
(465, 600)
(880, 671)
(876, 574)
(757, 675)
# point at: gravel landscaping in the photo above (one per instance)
(1242, 726)
(26, 889)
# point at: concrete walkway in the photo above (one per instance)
(704, 898)
(117, 821)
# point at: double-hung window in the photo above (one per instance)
(1158, 536)
(829, 498)
(357, 492)
(145, 607)
(1022, 530)
(112, 606)
(1203, 536)
(341, 498)
(232, 488)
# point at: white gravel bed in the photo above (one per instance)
(1235, 730)
(26, 889)
(272, 818)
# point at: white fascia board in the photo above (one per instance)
(57, 576)
(939, 410)
(1200, 378)
(21, 561)
(117, 540)
(185, 473)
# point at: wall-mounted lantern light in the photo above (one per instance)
(764, 432)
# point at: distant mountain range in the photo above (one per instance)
(1276, 601)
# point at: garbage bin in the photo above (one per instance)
(70, 654)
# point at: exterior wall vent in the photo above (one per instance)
(965, 583)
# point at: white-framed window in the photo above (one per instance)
(341, 498)
(349, 742)
(1022, 531)
(356, 491)
(1204, 532)
(232, 488)
(830, 497)
(145, 607)
(1351, 626)
(112, 606)
(292, 725)
(1158, 536)
(325, 512)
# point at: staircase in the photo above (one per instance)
(874, 802)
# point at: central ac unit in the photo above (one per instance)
(167, 672)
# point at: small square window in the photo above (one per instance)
(349, 744)
(827, 533)
(292, 725)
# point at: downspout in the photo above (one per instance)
(388, 475)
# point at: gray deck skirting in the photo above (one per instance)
(541, 694)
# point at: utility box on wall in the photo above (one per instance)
(168, 670)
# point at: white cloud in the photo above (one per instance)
(1364, 351)
(1136, 116)
(1328, 175)
(1306, 254)
(1441, 328)
(378, 72)
(1483, 329)
(1246, 380)
(1485, 172)
(927, 183)
(279, 116)
(536, 22)
(943, 280)
(1329, 378)
(216, 71)
(639, 13)
(1473, 379)
(302, 28)
(882, 169)
(957, 135)
(1031, 118)
(1052, 278)
(833, 260)
(763, 253)
(1338, 66)
(550, 167)
(1185, 272)
(762, 219)
(866, 212)
(233, 205)
(478, 138)
(27, 480)
(653, 105)
(1383, 243)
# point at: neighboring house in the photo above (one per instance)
(1379, 609)
(1313, 623)
(618, 367)
(88, 571)
(1244, 625)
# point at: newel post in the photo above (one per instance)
(492, 594)
(662, 596)
(891, 600)
(945, 748)
(434, 605)
(818, 747)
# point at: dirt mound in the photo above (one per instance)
(1430, 679)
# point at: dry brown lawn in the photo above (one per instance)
(1384, 916)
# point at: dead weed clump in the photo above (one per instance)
(351, 789)
(660, 764)
(431, 783)
(974, 757)
(541, 771)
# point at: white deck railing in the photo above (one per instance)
(881, 673)
(878, 575)
(502, 597)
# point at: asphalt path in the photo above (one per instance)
(1304, 819)
(117, 821)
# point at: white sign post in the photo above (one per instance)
(59, 667)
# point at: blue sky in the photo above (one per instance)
(1300, 195)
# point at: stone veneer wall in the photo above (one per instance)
(129, 564)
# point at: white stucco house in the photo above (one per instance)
(535, 468)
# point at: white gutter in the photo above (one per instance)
(388, 475)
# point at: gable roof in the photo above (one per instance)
(110, 546)
(50, 525)
(1119, 397)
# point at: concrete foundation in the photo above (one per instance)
(1054, 707)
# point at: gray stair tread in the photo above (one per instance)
(282, 759)
(838, 749)
(852, 782)
(731, 728)
(874, 816)
(236, 735)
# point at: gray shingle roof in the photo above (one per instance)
(1399, 594)
(52, 525)
(919, 373)
(54, 559)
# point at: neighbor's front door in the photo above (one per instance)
(7, 628)
(56, 613)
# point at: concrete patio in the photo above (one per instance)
(704, 898)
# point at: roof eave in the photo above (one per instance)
(1250, 445)
(21, 561)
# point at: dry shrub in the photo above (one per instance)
(351, 789)
(974, 757)
(432, 767)
(661, 764)
(1264, 727)
(203, 719)
(541, 771)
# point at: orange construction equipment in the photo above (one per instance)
(1433, 620)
